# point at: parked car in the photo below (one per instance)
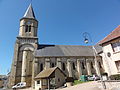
(93, 78)
(20, 85)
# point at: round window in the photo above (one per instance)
(108, 54)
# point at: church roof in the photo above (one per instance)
(29, 13)
(113, 35)
(65, 50)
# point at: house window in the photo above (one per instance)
(118, 65)
(73, 66)
(63, 66)
(116, 46)
(38, 82)
(44, 82)
(83, 66)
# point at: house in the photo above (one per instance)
(50, 78)
(111, 52)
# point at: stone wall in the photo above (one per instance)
(74, 66)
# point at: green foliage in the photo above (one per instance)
(115, 77)
(79, 82)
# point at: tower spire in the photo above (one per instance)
(31, 1)
(30, 12)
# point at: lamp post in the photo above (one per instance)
(87, 37)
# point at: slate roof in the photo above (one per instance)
(65, 50)
(98, 48)
(29, 13)
(113, 35)
(47, 73)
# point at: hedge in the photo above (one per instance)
(115, 77)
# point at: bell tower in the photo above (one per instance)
(28, 24)
(25, 45)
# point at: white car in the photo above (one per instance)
(20, 85)
(93, 78)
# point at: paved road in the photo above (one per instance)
(94, 85)
(85, 86)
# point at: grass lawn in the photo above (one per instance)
(78, 82)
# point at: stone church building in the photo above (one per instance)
(30, 57)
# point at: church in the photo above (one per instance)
(31, 57)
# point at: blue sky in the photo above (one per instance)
(61, 22)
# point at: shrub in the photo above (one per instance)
(115, 77)
(69, 79)
(77, 82)
(106, 74)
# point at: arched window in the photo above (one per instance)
(41, 67)
(58, 79)
(100, 65)
(28, 28)
(83, 66)
(92, 65)
(73, 66)
(53, 65)
(63, 66)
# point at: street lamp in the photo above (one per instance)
(87, 37)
